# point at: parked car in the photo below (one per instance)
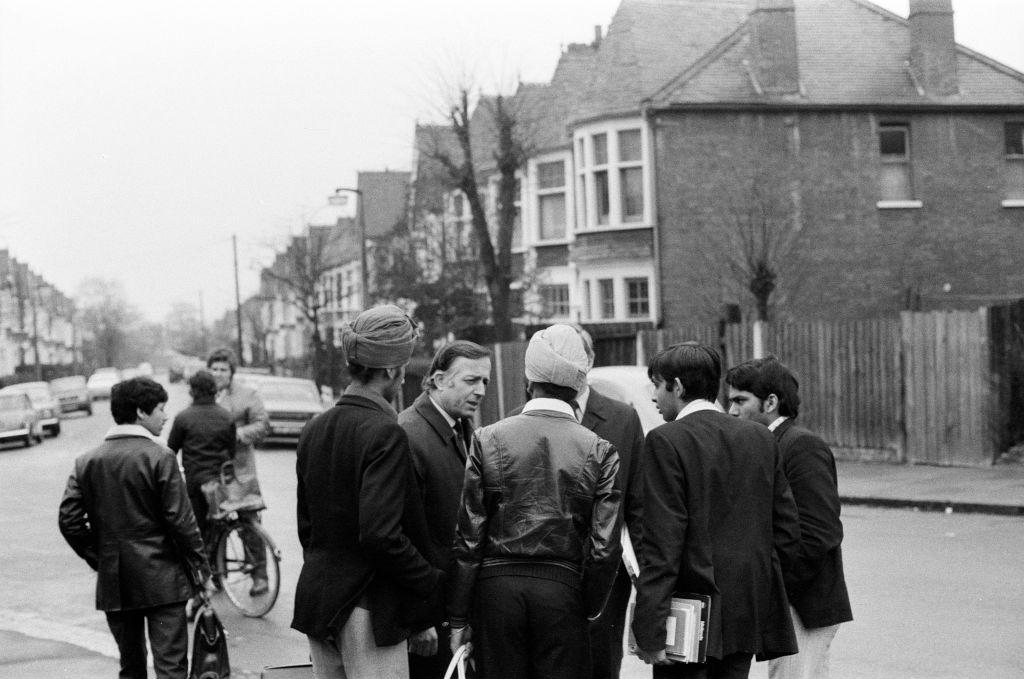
(291, 402)
(73, 393)
(629, 384)
(102, 380)
(46, 405)
(18, 419)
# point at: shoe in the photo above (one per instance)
(259, 586)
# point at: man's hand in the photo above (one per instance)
(459, 636)
(655, 658)
(424, 643)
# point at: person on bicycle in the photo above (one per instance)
(251, 426)
(204, 434)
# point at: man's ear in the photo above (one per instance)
(770, 404)
(677, 387)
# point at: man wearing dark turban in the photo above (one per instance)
(365, 585)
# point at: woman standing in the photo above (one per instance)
(251, 426)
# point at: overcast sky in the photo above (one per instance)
(136, 137)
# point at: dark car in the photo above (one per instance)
(73, 393)
(18, 419)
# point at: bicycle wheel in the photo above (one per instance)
(240, 551)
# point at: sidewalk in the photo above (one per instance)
(989, 490)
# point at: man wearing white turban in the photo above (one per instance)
(365, 583)
(536, 546)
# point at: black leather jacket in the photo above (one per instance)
(539, 490)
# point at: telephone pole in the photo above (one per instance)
(238, 301)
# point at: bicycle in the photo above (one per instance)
(236, 539)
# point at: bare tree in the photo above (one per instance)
(498, 116)
(298, 271)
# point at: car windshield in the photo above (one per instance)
(11, 401)
(68, 383)
(277, 391)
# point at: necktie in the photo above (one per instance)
(460, 437)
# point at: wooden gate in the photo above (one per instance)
(948, 394)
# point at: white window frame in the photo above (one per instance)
(1014, 169)
(532, 235)
(619, 274)
(905, 162)
(585, 173)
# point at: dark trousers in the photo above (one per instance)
(529, 628)
(606, 633)
(735, 666)
(168, 639)
(432, 666)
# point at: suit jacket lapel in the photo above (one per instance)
(594, 415)
(428, 411)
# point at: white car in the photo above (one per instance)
(45, 404)
(101, 381)
(291, 402)
(629, 384)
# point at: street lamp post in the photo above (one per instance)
(361, 226)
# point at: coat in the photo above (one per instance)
(251, 425)
(125, 511)
(539, 489)
(439, 466)
(360, 525)
(718, 517)
(815, 583)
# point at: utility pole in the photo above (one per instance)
(202, 325)
(238, 301)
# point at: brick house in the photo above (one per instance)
(861, 162)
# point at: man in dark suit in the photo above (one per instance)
(718, 518)
(439, 426)
(365, 584)
(765, 391)
(617, 423)
(126, 513)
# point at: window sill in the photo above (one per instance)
(899, 204)
(553, 241)
(613, 227)
(1013, 202)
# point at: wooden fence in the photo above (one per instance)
(942, 388)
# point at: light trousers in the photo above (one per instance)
(812, 660)
(354, 654)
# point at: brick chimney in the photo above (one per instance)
(773, 46)
(932, 46)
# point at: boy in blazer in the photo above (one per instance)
(765, 391)
(718, 518)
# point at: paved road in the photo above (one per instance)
(935, 595)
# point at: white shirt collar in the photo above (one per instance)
(130, 430)
(697, 405)
(583, 398)
(775, 425)
(549, 404)
(444, 413)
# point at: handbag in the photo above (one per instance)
(230, 494)
(209, 646)
(458, 663)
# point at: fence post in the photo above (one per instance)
(500, 375)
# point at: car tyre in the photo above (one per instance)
(55, 430)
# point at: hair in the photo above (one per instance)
(765, 376)
(447, 354)
(202, 384)
(222, 355)
(698, 368)
(548, 390)
(131, 396)
(364, 375)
